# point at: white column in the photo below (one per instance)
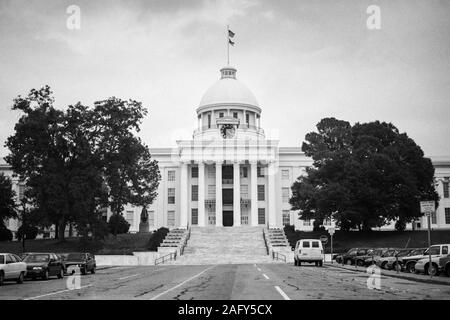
(219, 210)
(254, 193)
(183, 196)
(272, 198)
(201, 194)
(236, 194)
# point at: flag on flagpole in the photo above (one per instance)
(231, 42)
(230, 33)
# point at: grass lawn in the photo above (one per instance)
(342, 241)
(122, 244)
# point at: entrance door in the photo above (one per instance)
(227, 218)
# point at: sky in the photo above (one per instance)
(303, 60)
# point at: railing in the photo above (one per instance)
(186, 239)
(167, 257)
(265, 241)
(240, 127)
(278, 256)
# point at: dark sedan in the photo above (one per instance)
(43, 265)
(84, 261)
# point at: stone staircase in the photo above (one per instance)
(278, 243)
(219, 245)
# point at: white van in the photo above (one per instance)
(308, 250)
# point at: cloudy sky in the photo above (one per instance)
(304, 60)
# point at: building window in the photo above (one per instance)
(130, 217)
(447, 215)
(171, 218)
(194, 217)
(244, 220)
(194, 172)
(209, 121)
(261, 193)
(261, 216)
(171, 196)
(285, 194)
(446, 191)
(261, 172)
(211, 172)
(307, 222)
(244, 172)
(21, 191)
(221, 115)
(194, 193)
(285, 174)
(211, 191)
(235, 115)
(244, 191)
(286, 217)
(151, 218)
(247, 119)
(171, 175)
(433, 218)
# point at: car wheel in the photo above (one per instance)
(360, 263)
(2, 278)
(93, 270)
(83, 271)
(410, 267)
(433, 270)
(383, 265)
(46, 275)
(20, 279)
(61, 274)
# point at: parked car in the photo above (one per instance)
(308, 250)
(409, 262)
(370, 257)
(437, 251)
(63, 257)
(43, 265)
(401, 260)
(444, 265)
(393, 261)
(387, 256)
(11, 268)
(84, 261)
(347, 258)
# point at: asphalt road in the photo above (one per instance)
(224, 282)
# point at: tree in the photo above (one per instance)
(130, 173)
(363, 176)
(7, 199)
(118, 225)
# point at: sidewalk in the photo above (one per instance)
(442, 279)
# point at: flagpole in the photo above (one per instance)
(228, 46)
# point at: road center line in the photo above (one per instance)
(182, 283)
(265, 276)
(133, 275)
(57, 292)
(284, 295)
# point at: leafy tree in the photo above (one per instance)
(5, 234)
(27, 232)
(7, 199)
(118, 225)
(363, 176)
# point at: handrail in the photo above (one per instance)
(184, 244)
(170, 256)
(265, 241)
(277, 255)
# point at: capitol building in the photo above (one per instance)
(230, 174)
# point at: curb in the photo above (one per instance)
(435, 280)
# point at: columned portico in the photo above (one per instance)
(236, 194)
(219, 209)
(201, 195)
(254, 193)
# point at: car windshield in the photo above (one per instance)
(403, 253)
(433, 251)
(389, 253)
(75, 256)
(2, 259)
(415, 252)
(37, 258)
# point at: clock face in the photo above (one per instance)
(228, 131)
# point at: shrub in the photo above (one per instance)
(156, 239)
(117, 224)
(400, 225)
(5, 234)
(30, 232)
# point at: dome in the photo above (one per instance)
(228, 90)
